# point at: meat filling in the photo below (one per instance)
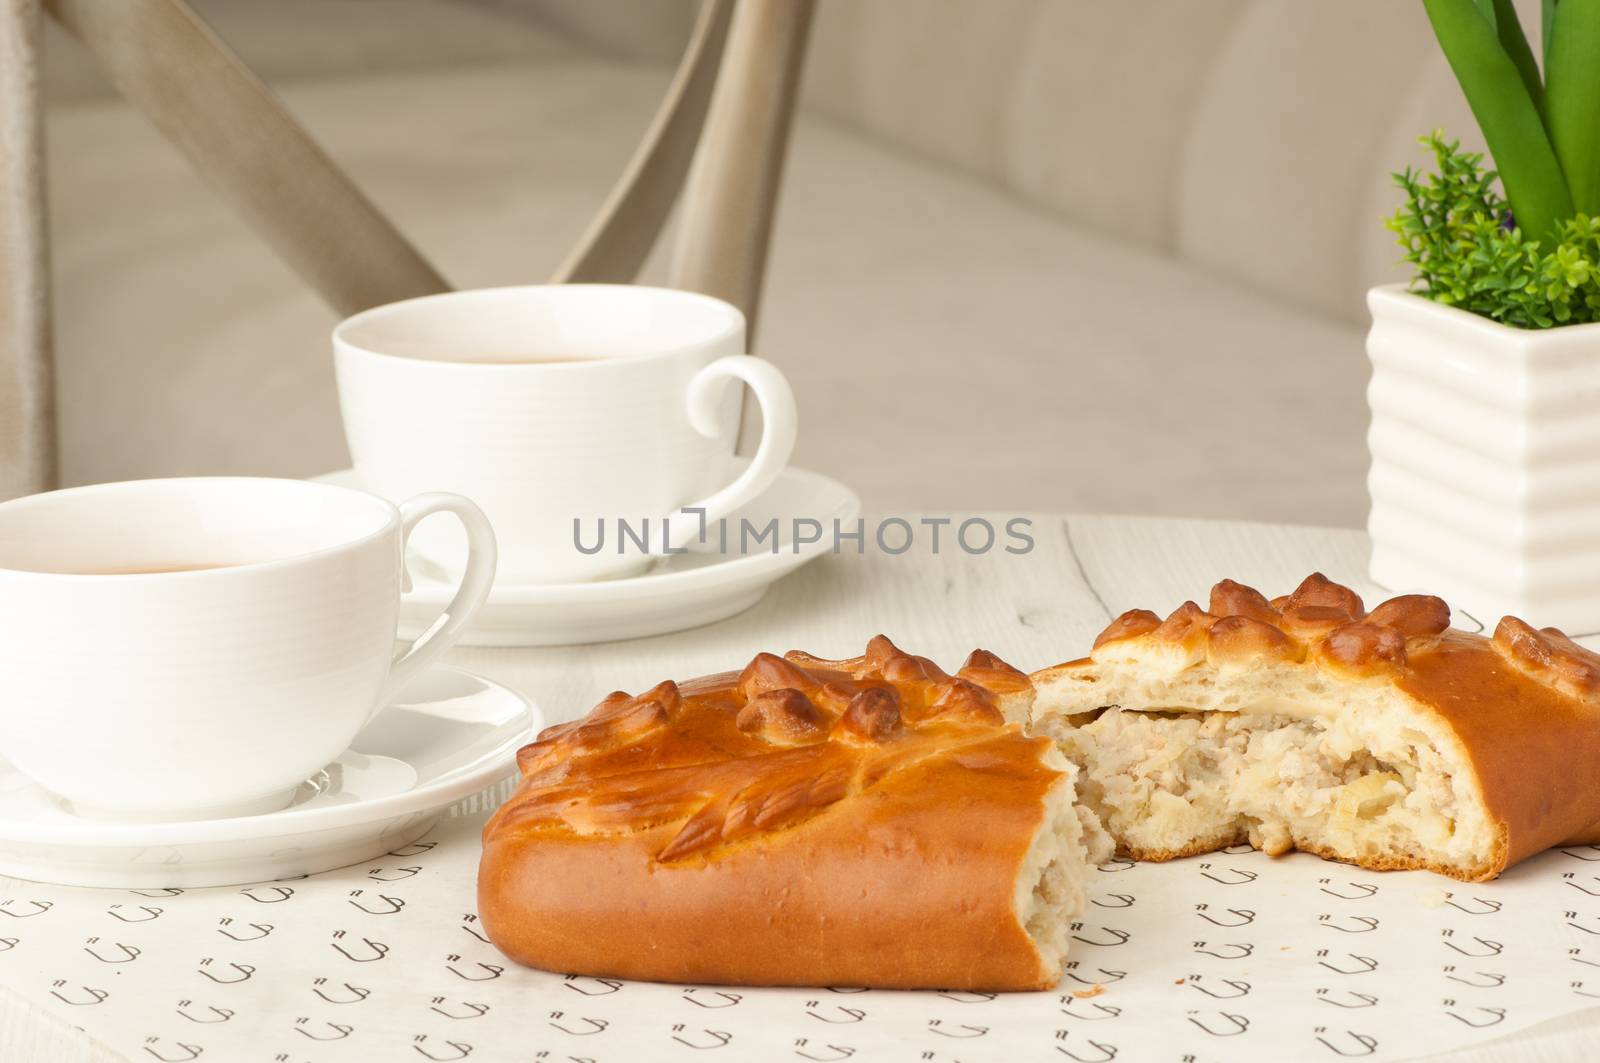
(1174, 783)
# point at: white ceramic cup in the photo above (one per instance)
(215, 691)
(628, 416)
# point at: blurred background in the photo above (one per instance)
(1030, 254)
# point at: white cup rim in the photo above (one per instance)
(389, 512)
(732, 326)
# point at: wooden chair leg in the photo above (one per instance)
(620, 238)
(163, 58)
(27, 376)
(733, 187)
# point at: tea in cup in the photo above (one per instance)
(196, 648)
(562, 410)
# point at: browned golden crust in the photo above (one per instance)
(1548, 657)
(1133, 623)
(1524, 705)
(1197, 847)
(801, 822)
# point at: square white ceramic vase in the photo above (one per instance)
(1485, 478)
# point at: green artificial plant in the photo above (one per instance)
(1530, 257)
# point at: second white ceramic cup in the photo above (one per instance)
(561, 410)
(214, 689)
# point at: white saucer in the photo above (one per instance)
(449, 735)
(682, 591)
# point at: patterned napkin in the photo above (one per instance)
(1230, 956)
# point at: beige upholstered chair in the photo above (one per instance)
(718, 138)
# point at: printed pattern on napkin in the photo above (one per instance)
(1230, 956)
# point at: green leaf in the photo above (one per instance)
(1508, 28)
(1454, 237)
(1573, 100)
(1547, 25)
(1506, 113)
(1487, 7)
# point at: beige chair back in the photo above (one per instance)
(717, 140)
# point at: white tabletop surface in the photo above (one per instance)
(1033, 609)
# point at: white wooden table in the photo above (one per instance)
(1033, 609)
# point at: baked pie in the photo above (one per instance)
(1383, 738)
(872, 821)
(879, 822)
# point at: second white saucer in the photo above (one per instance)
(683, 591)
(447, 736)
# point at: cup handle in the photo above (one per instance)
(476, 580)
(779, 425)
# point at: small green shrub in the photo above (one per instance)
(1458, 231)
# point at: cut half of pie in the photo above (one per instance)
(1385, 738)
(871, 821)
